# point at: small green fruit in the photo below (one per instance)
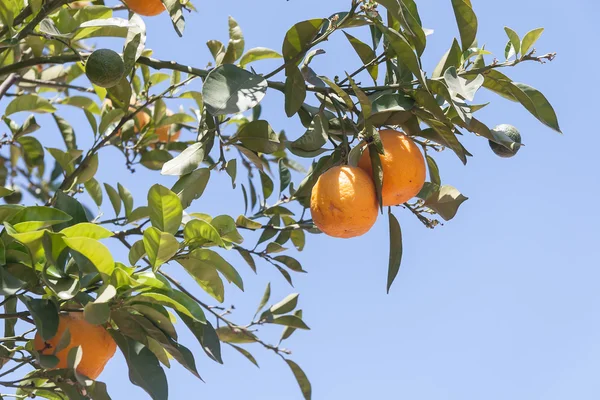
(15, 197)
(105, 68)
(512, 133)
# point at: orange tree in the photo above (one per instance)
(59, 280)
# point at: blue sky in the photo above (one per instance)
(499, 303)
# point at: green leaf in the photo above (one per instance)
(314, 138)
(299, 38)
(445, 201)
(285, 176)
(290, 320)
(9, 284)
(159, 246)
(114, 198)
(96, 313)
(214, 259)
(191, 186)
(45, 315)
(225, 225)
(256, 54)
(434, 171)
(230, 90)
(159, 317)
(267, 185)
(366, 54)
(135, 42)
(37, 217)
(237, 335)
(86, 229)
(176, 13)
(294, 90)
(405, 52)
(127, 198)
(395, 250)
(29, 102)
(467, 22)
(29, 126)
(144, 368)
(109, 118)
(137, 251)
(378, 177)
(90, 167)
(365, 102)
(5, 191)
(452, 58)
(200, 232)
(265, 299)
(537, 104)
(286, 305)
(166, 211)
(85, 103)
(458, 85)
(290, 262)
(95, 191)
(244, 222)
(206, 335)
(259, 136)
(236, 38)
(301, 378)
(514, 39)
(231, 169)
(186, 162)
(97, 253)
(176, 300)
(206, 276)
(245, 353)
(529, 40)
(339, 91)
(288, 331)
(32, 150)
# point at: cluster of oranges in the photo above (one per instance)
(344, 203)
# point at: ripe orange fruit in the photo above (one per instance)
(163, 132)
(97, 344)
(148, 8)
(403, 167)
(343, 202)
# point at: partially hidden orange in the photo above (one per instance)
(149, 8)
(343, 202)
(97, 344)
(403, 166)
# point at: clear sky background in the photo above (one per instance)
(500, 303)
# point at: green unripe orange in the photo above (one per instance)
(512, 133)
(105, 68)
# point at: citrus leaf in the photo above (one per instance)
(445, 201)
(97, 253)
(259, 136)
(144, 368)
(230, 90)
(529, 40)
(256, 54)
(186, 162)
(29, 102)
(395, 250)
(467, 22)
(159, 246)
(165, 207)
(191, 186)
(301, 378)
(299, 38)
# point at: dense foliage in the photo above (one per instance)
(55, 256)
